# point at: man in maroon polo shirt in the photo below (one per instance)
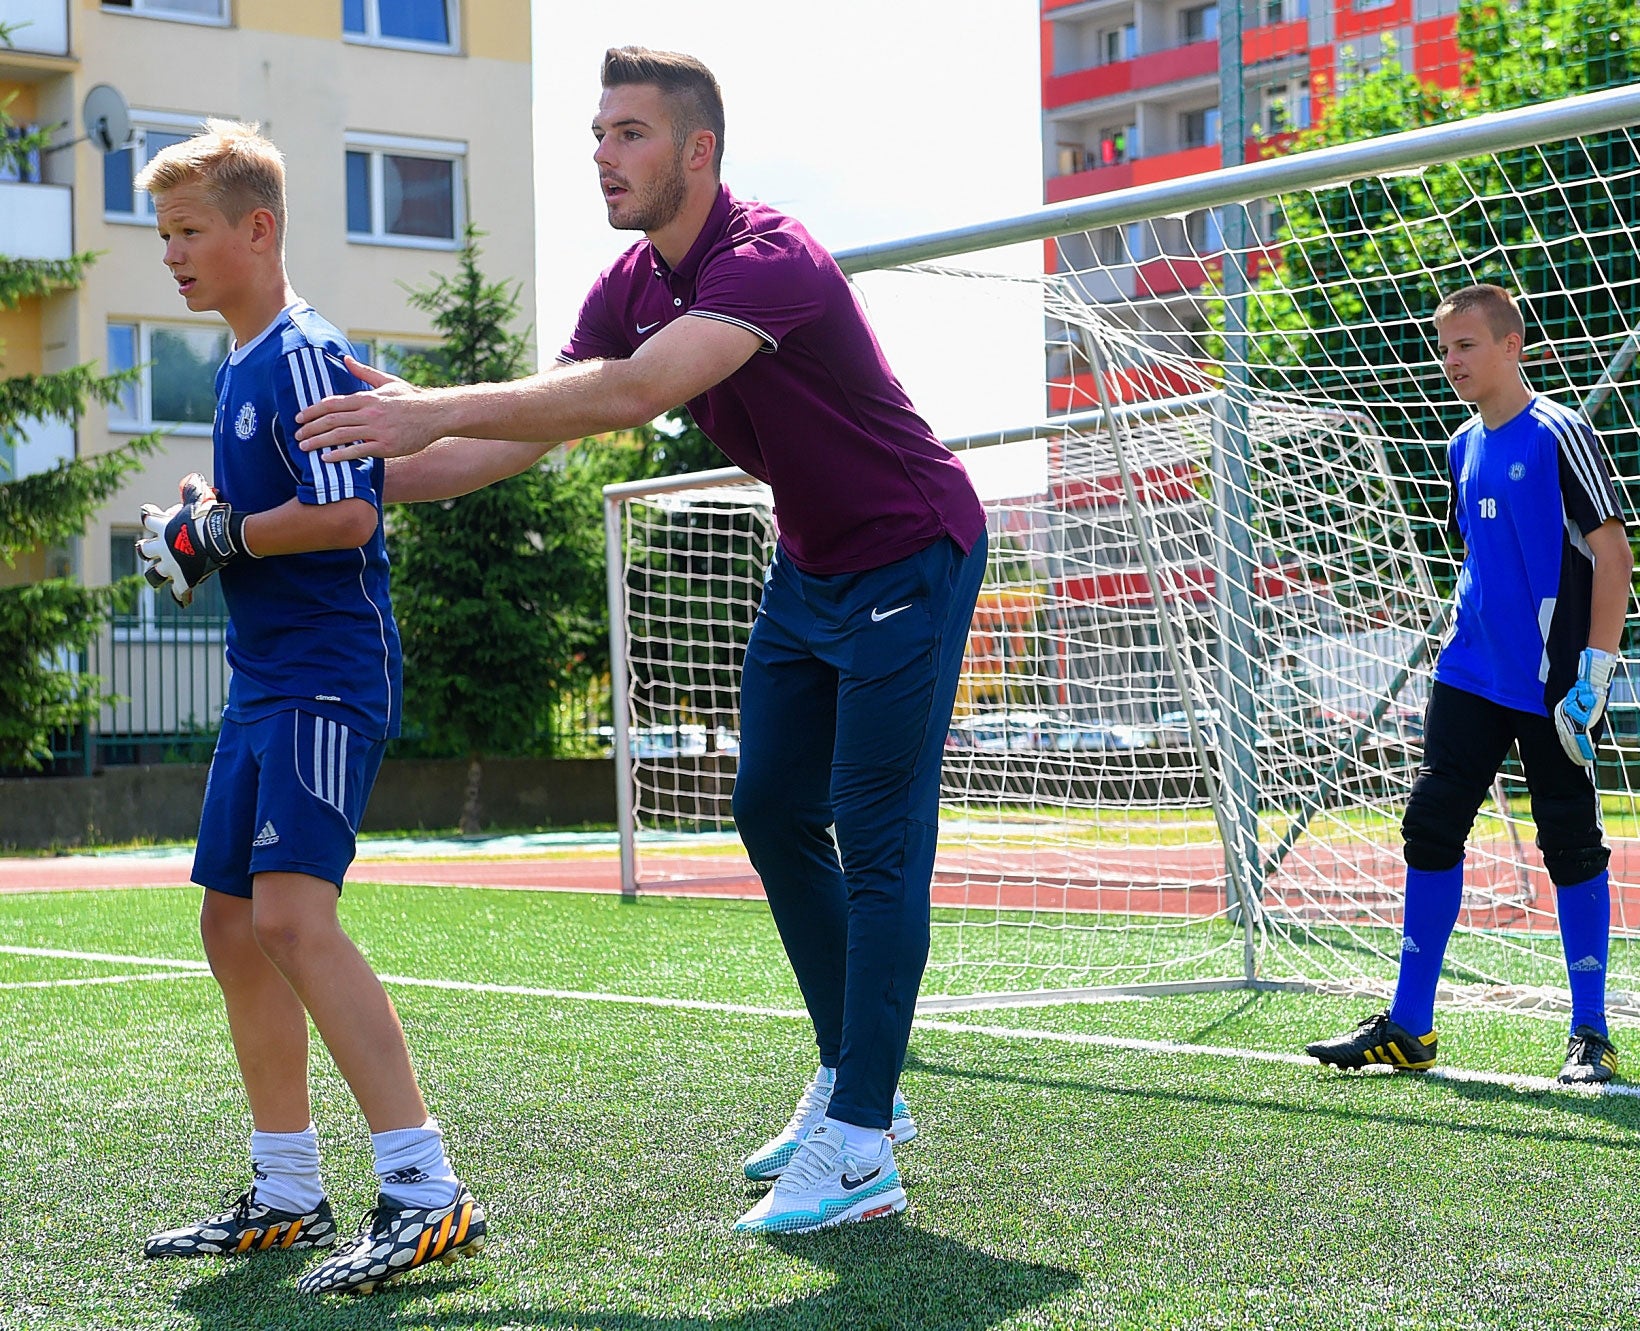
(851, 671)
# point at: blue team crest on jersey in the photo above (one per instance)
(1517, 470)
(245, 423)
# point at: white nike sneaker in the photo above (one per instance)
(824, 1184)
(770, 1158)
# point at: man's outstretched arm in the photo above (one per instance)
(680, 362)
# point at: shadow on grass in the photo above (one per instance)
(1620, 1112)
(886, 1275)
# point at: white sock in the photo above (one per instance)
(826, 1077)
(412, 1166)
(864, 1142)
(286, 1168)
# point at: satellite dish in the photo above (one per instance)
(106, 118)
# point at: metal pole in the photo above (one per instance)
(1233, 582)
(615, 593)
(1571, 117)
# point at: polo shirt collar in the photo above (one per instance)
(716, 222)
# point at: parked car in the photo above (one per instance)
(1103, 738)
(679, 741)
(1003, 731)
(1172, 729)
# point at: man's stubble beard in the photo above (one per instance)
(661, 201)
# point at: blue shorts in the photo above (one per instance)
(285, 795)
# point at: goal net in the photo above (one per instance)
(1192, 705)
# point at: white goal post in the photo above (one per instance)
(1191, 709)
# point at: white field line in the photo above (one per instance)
(117, 958)
(1510, 1081)
(98, 979)
(593, 996)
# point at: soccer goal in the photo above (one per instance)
(1192, 704)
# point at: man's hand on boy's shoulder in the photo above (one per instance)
(191, 540)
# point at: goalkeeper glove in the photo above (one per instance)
(189, 541)
(1579, 712)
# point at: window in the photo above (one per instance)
(177, 386)
(155, 610)
(1198, 24)
(1284, 107)
(404, 191)
(1203, 232)
(1120, 244)
(150, 133)
(1197, 129)
(1117, 145)
(1119, 43)
(416, 23)
(393, 356)
(192, 11)
(1283, 11)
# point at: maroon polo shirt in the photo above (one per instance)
(859, 480)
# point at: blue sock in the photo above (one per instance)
(1585, 911)
(1432, 902)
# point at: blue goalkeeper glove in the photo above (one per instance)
(189, 541)
(1579, 712)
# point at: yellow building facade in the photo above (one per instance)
(401, 122)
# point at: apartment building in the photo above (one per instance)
(401, 122)
(1131, 95)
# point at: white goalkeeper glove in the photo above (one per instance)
(1579, 712)
(189, 541)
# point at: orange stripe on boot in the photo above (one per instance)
(443, 1235)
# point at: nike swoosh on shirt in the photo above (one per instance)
(644, 328)
(878, 616)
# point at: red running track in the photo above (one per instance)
(1354, 883)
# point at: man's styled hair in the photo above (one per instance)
(1492, 303)
(239, 169)
(692, 94)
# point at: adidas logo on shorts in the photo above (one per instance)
(267, 836)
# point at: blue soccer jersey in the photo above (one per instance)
(1524, 497)
(314, 631)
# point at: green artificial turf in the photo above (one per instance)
(1056, 1182)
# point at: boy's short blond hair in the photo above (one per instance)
(239, 168)
(1492, 303)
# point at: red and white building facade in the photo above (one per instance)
(1131, 96)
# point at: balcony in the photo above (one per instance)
(1143, 73)
(1275, 41)
(36, 221)
(39, 27)
(1172, 165)
(1175, 64)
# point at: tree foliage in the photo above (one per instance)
(498, 593)
(44, 625)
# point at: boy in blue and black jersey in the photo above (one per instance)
(315, 695)
(1538, 621)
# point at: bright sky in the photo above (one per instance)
(868, 120)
